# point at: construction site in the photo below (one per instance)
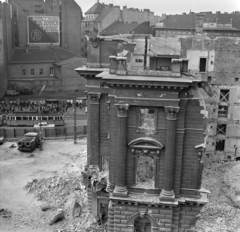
(159, 152)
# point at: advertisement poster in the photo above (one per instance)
(43, 30)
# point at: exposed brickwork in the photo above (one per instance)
(89, 199)
(186, 215)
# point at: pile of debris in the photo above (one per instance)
(64, 199)
(222, 213)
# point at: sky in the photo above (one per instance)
(170, 6)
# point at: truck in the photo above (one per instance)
(29, 142)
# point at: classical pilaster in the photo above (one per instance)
(93, 128)
(121, 150)
(167, 193)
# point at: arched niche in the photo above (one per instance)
(142, 214)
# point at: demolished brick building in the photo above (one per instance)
(146, 133)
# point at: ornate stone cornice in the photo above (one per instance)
(93, 97)
(122, 110)
(172, 112)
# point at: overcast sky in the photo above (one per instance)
(170, 6)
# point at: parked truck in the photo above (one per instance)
(29, 142)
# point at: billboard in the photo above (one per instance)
(43, 30)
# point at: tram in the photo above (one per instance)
(31, 118)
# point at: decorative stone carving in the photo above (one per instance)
(94, 97)
(122, 110)
(142, 212)
(171, 112)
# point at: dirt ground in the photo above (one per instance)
(52, 178)
(18, 169)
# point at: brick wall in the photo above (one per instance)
(194, 122)
(122, 216)
(104, 130)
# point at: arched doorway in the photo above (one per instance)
(142, 224)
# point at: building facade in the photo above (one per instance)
(145, 141)
(213, 61)
(56, 22)
(31, 68)
(101, 15)
(206, 23)
(5, 45)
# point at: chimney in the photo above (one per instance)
(176, 65)
(199, 24)
(113, 65)
(121, 66)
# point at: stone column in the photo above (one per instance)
(167, 193)
(121, 150)
(93, 129)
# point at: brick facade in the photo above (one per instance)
(143, 116)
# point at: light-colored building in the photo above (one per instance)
(100, 16)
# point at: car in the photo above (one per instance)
(29, 142)
(11, 93)
(26, 92)
(44, 124)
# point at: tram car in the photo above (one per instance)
(32, 118)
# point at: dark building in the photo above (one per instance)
(38, 22)
(145, 141)
(45, 39)
(5, 45)
(32, 67)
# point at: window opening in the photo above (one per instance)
(41, 71)
(236, 79)
(147, 120)
(203, 62)
(24, 72)
(103, 213)
(220, 144)
(32, 71)
(51, 70)
(224, 95)
(222, 111)
(142, 225)
(145, 172)
(138, 60)
(209, 79)
(221, 129)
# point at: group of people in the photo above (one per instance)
(23, 106)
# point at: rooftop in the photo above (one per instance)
(95, 9)
(37, 55)
(188, 21)
(120, 28)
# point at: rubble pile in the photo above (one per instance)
(55, 190)
(64, 199)
(222, 213)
